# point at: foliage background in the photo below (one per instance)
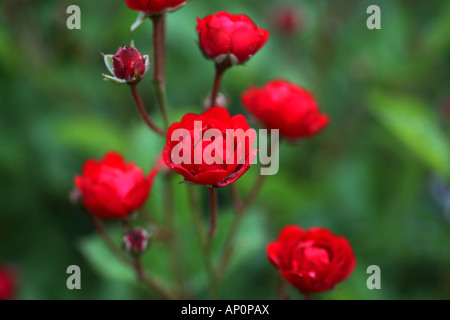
(376, 175)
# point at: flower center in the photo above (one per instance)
(310, 259)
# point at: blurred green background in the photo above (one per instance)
(378, 175)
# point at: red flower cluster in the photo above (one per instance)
(287, 107)
(224, 34)
(225, 170)
(154, 5)
(214, 148)
(7, 284)
(314, 260)
(113, 189)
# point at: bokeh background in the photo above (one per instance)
(378, 175)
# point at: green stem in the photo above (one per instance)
(194, 203)
(236, 223)
(103, 233)
(213, 213)
(159, 52)
(136, 264)
(143, 112)
(282, 293)
(151, 282)
(213, 217)
(173, 241)
(216, 85)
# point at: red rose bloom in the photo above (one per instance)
(314, 260)
(287, 107)
(7, 284)
(154, 5)
(223, 33)
(111, 188)
(226, 163)
(127, 61)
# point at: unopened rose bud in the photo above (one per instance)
(128, 65)
(135, 241)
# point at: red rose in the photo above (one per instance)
(218, 163)
(113, 189)
(223, 33)
(314, 260)
(287, 107)
(7, 284)
(154, 5)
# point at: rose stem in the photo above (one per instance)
(282, 293)
(159, 51)
(194, 203)
(235, 224)
(143, 112)
(213, 212)
(151, 282)
(197, 213)
(98, 225)
(220, 70)
(143, 277)
(240, 208)
(213, 215)
(173, 243)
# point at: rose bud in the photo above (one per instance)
(113, 189)
(234, 36)
(7, 284)
(313, 260)
(128, 65)
(152, 6)
(135, 241)
(209, 148)
(287, 107)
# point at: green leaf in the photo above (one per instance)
(416, 126)
(103, 261)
